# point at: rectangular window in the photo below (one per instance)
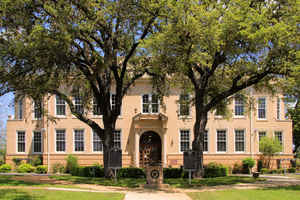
(205, 145)
(97, 143)
(184, 109)
(278, 108)
(221, 141)
(239, 140)
(77, 100)
(238, 106)
(261, 108)
(60, 106)
(78, 140)
(37, 142)
(37, 109)
(96, 108)
(278, 135)
(20, 108)
(184, 140)
(150, 103)
(286, 109)
(261, 135)
(21, 141)
(113, 102)
(117, 139)
(60, 140)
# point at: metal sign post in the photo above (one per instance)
(190, 163)
(115, 160)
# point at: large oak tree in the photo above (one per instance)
(218, 48)
(89, 48)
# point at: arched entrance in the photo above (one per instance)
(150, 148)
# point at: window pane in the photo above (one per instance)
(184, 105)
(60, 140)
(239, 106)
(37, 109)
(78, 104)
(37, 142)
(184, 140)
(117, 139)
(262, 108)
(96, 108)
(278, 135)
(79, 140)
(260, 136)
(278, 108)
(205, 146)
(97, 143)
(239, 141)
(21, 141)
(60, 106)
(113, 102)
(221, 141)
(146, 103)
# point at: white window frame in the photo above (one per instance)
(92, 142)
(55, 141)
(266, 106)
(244, 133)
(73, 100)
(20, 108)
(33, 111)
(84, 143)
(179, 148)
(17, 149)
(278, 108)
(235, 103)
(33, 142)
(61, 116)
(150, 104)
(93, 105)
(120, 131)
(179, 106)
(226, 140)
(258, 133)
(282, 139)
(286, 108)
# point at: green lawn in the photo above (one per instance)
(284, 193)
(179, 183)
(23, 194)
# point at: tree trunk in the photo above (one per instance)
(107, 145)
(198, 143)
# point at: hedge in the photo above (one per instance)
(41, 169)
(5, 168)
(215, 170)
(25, 168)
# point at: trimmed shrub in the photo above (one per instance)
(25, 168)
(237, 168)
(36, 160)
(5, 168)
(1, 162)
(17, 161)
(72, 164)
(259, 165)
(265, 171)
(248, 164)
(292, 170)
(58, 168)
(215, 170)
(41, 169)
(131, 172)
(173, 173)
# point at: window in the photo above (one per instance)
(262, 108)
(278, 135)
(113, 102)
(184, 109)
(260, 136)
(184, 140)
(239, 140)
(238, 106)
(60, 140)
(278, 108)
(221, 141)
(97, 143)
(37, 109)
(77, 100)
(60, 106)
(21, 141)
(117, 139)
(78, 140)
(20, 108)
(150, 103)
(37, 142)
(96, 108)
(286, 109)
(205, 145)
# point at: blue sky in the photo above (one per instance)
(6, 107)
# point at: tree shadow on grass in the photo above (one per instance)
(13, 194)
(293, 188)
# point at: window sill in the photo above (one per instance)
(262, 120)
(239, 117)
(185, 117)
(60, 116)
(221, 152)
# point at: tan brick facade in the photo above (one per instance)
(132, 124)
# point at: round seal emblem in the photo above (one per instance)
(154, 174)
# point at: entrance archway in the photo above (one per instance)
(150, 148)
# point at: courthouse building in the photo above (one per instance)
(148, 130)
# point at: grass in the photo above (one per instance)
(23, 194)
(281, 193)
(178, 183)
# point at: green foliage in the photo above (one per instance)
(175, 173)
(58, 168)
(41, 169)
(131, 172)
(5, 168)
(237, 168)
(72, 164)
(35, 160)
(269, 147)
(17, 161)
(292, 170)
(25, 168)
(259, 165)
(248, 163)
(215, 170)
